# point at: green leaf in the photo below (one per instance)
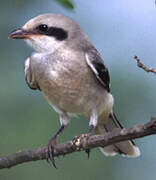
(66, 3)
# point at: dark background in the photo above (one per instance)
(119, 30)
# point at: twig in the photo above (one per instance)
(115, 136)
(145, 68)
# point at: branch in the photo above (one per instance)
(145, 68)
(109, 138)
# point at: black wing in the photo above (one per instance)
(96, 64)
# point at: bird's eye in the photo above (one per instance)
(43, 27)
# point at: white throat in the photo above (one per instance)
(44, 44)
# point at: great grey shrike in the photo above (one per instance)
(72, 76)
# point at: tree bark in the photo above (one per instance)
(81, 143)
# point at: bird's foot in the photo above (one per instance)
(88, 152)
(51, 149)
(81, 141)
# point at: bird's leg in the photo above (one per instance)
(92, 124)
(64, 120)
(52, 144)
(84, 137)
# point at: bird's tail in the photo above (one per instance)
(125, 148)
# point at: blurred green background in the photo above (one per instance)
(119, 30)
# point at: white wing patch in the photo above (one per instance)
(29, 76)
(91, 65)
(93, 69)
(26, 65)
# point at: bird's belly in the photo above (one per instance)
(69, 89)
(78, 100)
(67, 98)
(71, 94)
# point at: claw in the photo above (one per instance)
(50, 153)
(88, 152)
(51, 156)
(51, 146)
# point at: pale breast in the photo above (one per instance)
(66, 81)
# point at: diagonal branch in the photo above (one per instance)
(115, 136)
(145, 68)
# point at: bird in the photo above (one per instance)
(72, 76)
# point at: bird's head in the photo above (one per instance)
(47, 32)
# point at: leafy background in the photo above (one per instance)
(119, 30)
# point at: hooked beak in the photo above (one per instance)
(19, 34)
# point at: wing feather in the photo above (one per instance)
(29, 76)
(96, 64)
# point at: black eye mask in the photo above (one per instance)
(59, 33)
